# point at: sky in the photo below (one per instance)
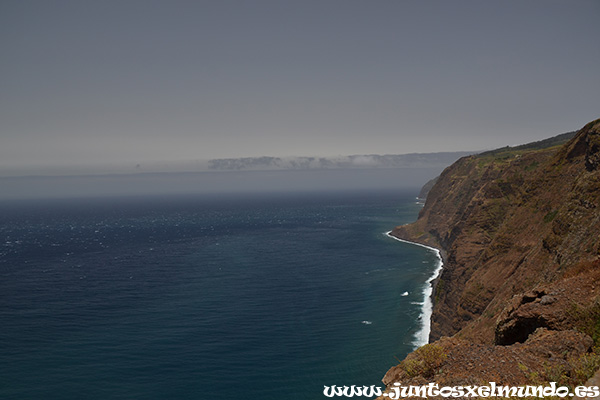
(132, 81)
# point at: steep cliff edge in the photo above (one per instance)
(520, 228)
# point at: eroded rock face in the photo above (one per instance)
(509, 223)
(520, 237)
(525, 315)
(592, 154)
(550, 307)
(587, 145)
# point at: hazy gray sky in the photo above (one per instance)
(112, 81)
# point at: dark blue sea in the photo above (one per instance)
(248, 297)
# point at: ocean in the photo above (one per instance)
(203, 297)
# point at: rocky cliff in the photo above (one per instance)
(517, 300)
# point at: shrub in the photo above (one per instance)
(587, 320)
(426, 361)
(550, 216)
(585, 367)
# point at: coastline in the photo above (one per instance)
(422, 336)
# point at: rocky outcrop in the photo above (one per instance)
(520, 229)
(553, 306)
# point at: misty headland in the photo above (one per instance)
(228, 176)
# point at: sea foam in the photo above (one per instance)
(422, 335)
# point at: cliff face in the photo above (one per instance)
(520, 229)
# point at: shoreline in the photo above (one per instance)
(422, 336)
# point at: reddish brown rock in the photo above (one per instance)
(508, 223)
(520, 235)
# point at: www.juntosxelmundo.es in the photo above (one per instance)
(397, 391)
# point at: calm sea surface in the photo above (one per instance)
(205, 298)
